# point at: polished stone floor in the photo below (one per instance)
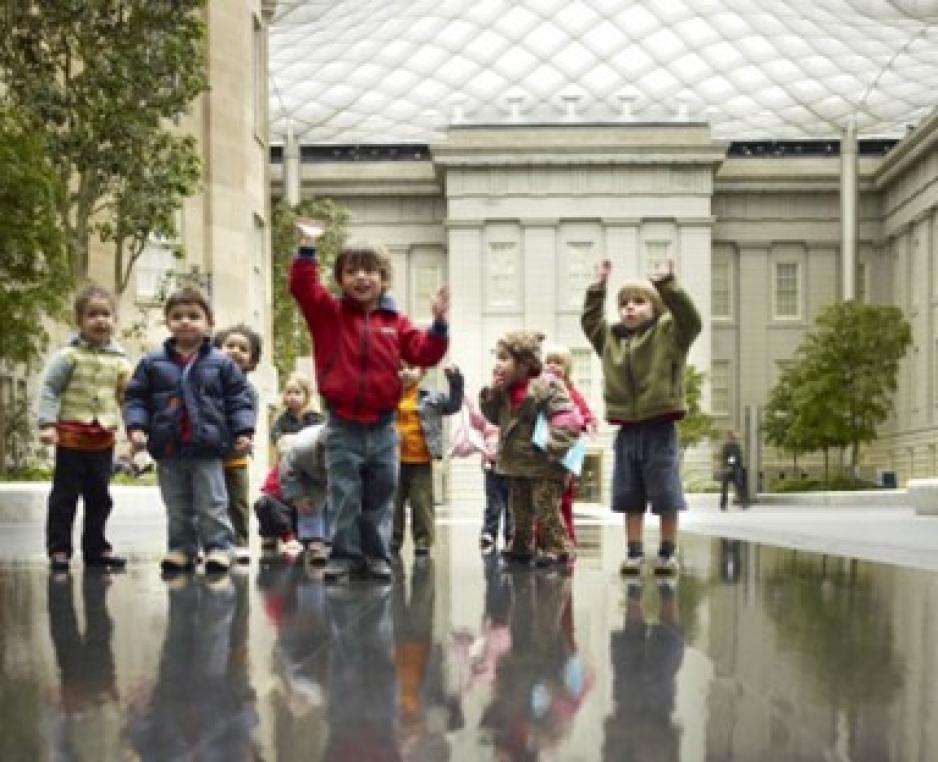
(757, 653)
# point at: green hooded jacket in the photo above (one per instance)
(643, 370)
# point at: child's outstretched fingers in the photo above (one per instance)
(440, 305)
(309, 230)
(602, 269)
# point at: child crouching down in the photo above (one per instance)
(291, 511)
(536, 476)
(643, 357)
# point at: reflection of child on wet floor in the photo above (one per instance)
(420, 429)
(536, 476)
(643, 357)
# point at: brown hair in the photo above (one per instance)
(189, 295)
(524, 347)
(89, 292)
(371, 256)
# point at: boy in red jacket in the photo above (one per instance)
(359, 340)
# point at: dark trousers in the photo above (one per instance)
(496, 506)
(414, 486)
(86, 474)
(274, 517)
(735, 475)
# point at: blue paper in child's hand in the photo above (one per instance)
(541, 431)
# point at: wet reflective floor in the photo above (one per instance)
(757, 653)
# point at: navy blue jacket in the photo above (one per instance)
(212, 389)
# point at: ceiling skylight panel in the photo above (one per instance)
(516, 60)
(601, 80)
(573, 59)
(664, 45)
(546, 79)
(456, 33)
(486, 47)
(632, 61)
(690, 67)
(517, 23)
(427, 58)
(604, 37)
(485, 84)
(697, 31)
(456, 69)
(637, 21)
(367, 74)
(722, 54)
(575, 17)
(544, 39)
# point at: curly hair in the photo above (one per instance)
(524, 347)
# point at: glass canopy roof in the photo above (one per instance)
(401, 71)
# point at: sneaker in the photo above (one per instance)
(291, 549)
(107, 559)
(510, 558)
(217, 561)
(177, 561)
(378, 568)
(336, 571)
(242, 554)
(544, 560)
(631, 565)
(317, 554)
(269, 549)
(59, 560)
(486, 542)
(667, 565)
(421, 550)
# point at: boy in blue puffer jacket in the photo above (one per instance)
(190, 405)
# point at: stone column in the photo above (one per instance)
(849, 225)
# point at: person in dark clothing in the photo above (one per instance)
(732, 471)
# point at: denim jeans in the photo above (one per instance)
(496, 505)
(362, 461)
(193, 490)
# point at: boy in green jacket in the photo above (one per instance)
(643, 357)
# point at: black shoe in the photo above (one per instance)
(59, 561)
(523, 560)
(107, 559)
(421, 551)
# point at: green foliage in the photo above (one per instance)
(839, 390)
(291, 336)
(35, 280)
(697, 426)
(102, 82)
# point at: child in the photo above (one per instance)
(292, 501)
(79, 413)
(298, 413)
(518, 395)
(360, 340)
(643, 358)
(558, 362)
(420, 428)
(190, 405)
(243, 345)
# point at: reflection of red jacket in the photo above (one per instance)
(357, 353)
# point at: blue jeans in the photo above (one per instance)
(496, 505)
(362, 461)
(193, 491)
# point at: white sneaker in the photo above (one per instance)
(667, 565)
(217, 561)
(291, 548)
(631, 565)
(242, 555)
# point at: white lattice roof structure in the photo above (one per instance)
(400, 71)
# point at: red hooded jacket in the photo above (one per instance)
(358, 353)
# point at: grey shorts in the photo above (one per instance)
(646, 469)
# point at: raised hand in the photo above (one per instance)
(309, 230)
(601, 271)
(662, 269)
(440, 304)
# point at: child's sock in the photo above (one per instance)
(666, 549)
(635, 549)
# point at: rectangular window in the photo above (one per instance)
(503, 277)
(787, 290)
(158, 259)
(721, 289)
(720, 387)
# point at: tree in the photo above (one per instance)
(697, 425)
(102, 82)
(853, 353)
(35, 279)
(291, 336)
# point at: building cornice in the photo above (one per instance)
(912, 148)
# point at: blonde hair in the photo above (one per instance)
(644, 287)
(562, 356)
(298, 379)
